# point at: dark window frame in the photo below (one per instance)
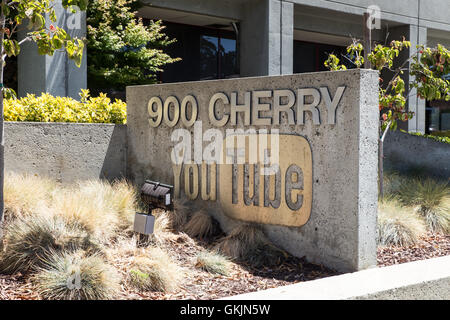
(173, 28)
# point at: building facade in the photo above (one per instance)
(242, 38)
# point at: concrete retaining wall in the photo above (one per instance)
(66, 151)
(404, 152)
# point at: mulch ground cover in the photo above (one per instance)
(429, 246)
(243, 278)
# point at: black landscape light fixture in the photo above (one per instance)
(154, 195)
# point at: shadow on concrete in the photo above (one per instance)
(115, 164)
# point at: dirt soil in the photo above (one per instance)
(429, 246)
(242, 278)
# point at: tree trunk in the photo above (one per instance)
(381, 160)
(380, 168)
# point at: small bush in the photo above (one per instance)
(28, 241)
(398, 226)
(432, 200)
(155, 271)
(47, 108)
(213, 262)
(201, 225)
(247, 243)
(74, 276)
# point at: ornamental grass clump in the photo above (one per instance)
(24, 193)
(179, 216)
(397, 225)
(431, 198)
(87, 205)
(76, 276)
(30, 240)
(155, 271)
(201, 225)
(392, 182)
(248, 243)
(102, 208)
(123, 197)
(213, 262)
(162, 232)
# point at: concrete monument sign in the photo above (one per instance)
(296, 154)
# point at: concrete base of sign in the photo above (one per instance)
(425, 279)
(342, 133)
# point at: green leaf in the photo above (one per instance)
(5, 9)
(9, 93)
(11, 47)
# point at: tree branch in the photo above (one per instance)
(385, 131)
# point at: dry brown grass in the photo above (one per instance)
(88, 205)
(248, 243)
(201, 225)
(213, 262)
(397, 225)
(180, 214)
(240, 240)
(124, 198)
(82, 218)
(76, 276)
(162, 232)
(25, 193)
(431, 198)
(28, 241)
(103, 208)
(155, 271)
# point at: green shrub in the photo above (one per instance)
(441, 137)
(74, 276)
(122, 49)
(29, 241)
(445, 133)
(47, 108)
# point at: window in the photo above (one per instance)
(437, 116)
(209, 47)
(206, 54)
(309, 56)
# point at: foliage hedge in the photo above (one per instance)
(48, 108)
(441, 138)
